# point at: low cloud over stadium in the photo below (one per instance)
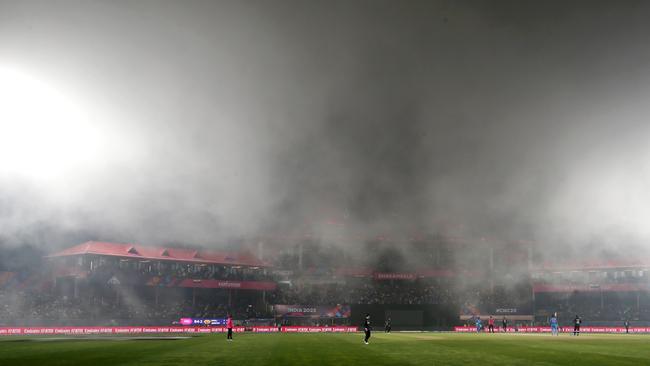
(467, 149)
(196, 124)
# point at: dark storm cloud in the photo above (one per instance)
(518, 120)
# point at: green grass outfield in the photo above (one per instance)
(332, 349)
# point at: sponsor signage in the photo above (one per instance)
(309, 311)
(394, 276)
(111, 330)
(469, 310)
(505, 311)
(239, 285)
(265, 329)
(211, 283)
(203, 321)
(299, 329)
(8, 331)
(563, 329)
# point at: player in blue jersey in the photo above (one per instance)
(479, 325)
(554, 324)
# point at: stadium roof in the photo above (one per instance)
(142, 252)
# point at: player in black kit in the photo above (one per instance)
(366, 328)
(387, 326)
(576, 325)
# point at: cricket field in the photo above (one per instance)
(329, 349)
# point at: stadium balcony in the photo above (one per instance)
(158, 266)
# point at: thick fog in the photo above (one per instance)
(203, 121)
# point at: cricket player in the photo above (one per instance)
(229, 326)
(554, 324)
(367, 328)
(576, 325)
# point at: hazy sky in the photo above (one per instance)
(200, 120)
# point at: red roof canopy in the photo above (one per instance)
(137, 251)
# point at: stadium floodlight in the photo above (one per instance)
(43, 133)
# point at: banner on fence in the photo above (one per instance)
(313, 311)
(7, 331)
(562, 329)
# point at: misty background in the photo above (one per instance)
(515, 120)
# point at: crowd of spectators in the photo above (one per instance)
(366, 292)
(140, 273)
(33, 306)
(594, 306)
(47, 308)
(479, 299)
(52, 306)
(324, 288)
(593, 277)
(114, 291)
